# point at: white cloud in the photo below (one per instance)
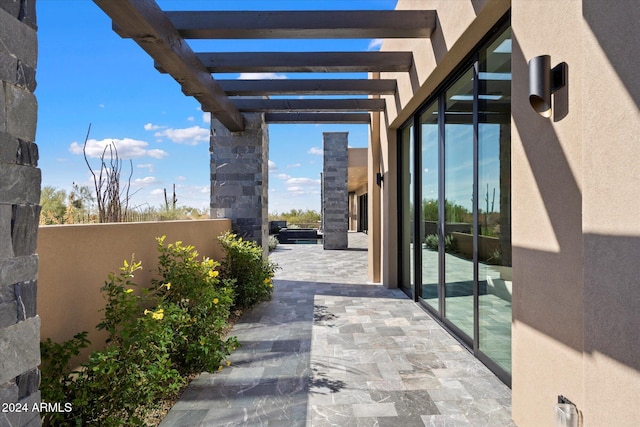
(158, 192)
(148, 166)
(303, 181)
(272, 166)
(316, 151)
(283, 176)
(295, 189)
(156, 153)
(181, 178)
(190, 119)
(145, 182)
(190, 136)
(101, 105)
(375, 44)
(127, 148)
(151, 126)
(261, 76)
(295, 165)
(206, 117)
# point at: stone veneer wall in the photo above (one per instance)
(240, 177)
(335, 195)
(19, 212)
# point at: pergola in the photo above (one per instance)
(163, 35)
(243, 108)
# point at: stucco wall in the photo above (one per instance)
(576, 300)
(75, 261)
(574, 186)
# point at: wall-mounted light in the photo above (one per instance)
(379, 178)
(566, 413)
(543, 81)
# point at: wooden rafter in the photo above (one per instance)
(343, 118)
(336, 62)
(311, 105)
(308, 87)
(368, 24)
(148, 25)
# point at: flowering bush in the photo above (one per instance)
(195, 286)
(157, 335)
(252, 274)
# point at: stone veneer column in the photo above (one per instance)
(335, 197)
(19, 213)
(240, 177)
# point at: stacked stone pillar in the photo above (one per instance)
(240, 177)
(335, 195)
(19, 214)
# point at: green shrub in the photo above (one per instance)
(156, 336)
(431, 241)
(450, 244)
(195, 286)
(273, 243)
(252, 273)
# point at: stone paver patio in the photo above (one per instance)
(331, 349)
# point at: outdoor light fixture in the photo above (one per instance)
(566, 413)
(543, 81)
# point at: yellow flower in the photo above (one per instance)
(215, 300)
(146, 312)
(128, 291)
(213, 273)
(267, 280)
(220, 368)
(228, 362)
(158, 314)
(168, 285)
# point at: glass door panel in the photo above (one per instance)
(406, 173)
(458, 204)
(494, 201)
(429, 224)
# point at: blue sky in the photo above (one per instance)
(88, 74)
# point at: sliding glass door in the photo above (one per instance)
(406, 232)
(430, 212)
(455, 204)
(458, 203)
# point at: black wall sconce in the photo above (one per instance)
(379, 178)
(543, 81)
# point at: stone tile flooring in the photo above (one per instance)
(331, 350)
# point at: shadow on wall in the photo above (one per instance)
(590, 325)
(618, 41)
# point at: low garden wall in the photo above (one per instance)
(75, 261)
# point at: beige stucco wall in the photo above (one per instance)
(75, 261)
(576, 235)
(575, 216)
(611, 211)
(547, 331)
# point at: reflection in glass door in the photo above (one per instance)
(455, 204)
(430, 223)
(458, 204)
(494, 201)
(406, 168)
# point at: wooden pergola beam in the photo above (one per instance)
(148, 26)
(334, 62)
(313, 118)
(311, 105)
(308, 87)
(367, 24)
